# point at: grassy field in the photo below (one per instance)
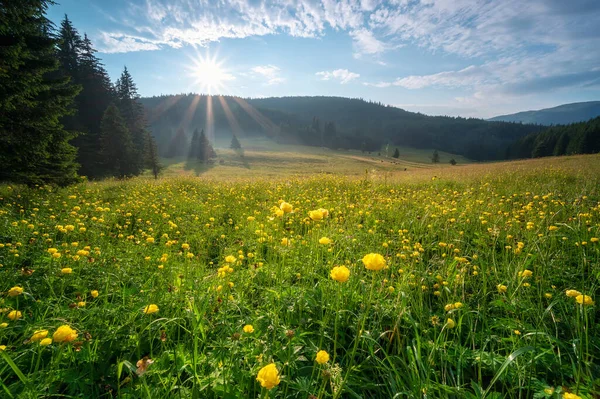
(265, 158)
(317, 280)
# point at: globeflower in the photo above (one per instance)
(230, 259)
(568, 395)
(94, 293)
(15, 315)
(46, 342)
(526, 273)
(64, 333)
(340, 273)
(39, 335)
(450, 323)
(324, 211)
(316, 215)
(248, 328)
(66, 270)
(268, 376)
(151, 309)
(572, 293)
(15, 291)
(286, 207)
(584, 300)
(325, 241)
(374, 261)
(322, 357)
(501, 288)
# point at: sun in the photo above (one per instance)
(209, 74)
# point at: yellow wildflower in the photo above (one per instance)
(268, 376)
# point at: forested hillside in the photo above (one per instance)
(577, 138)
(561, 115)
(333, 122)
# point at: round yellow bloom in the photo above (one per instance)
(501, 288)
(248, 328)
(325, 241)
(150, 240)
(572, 293)
(527, 273)
(285, 241)
(151, 309)
(568, 395)
(230, 259)
(94, 293)
(322, 357)
(3, 325)
(56, 255)
(39, 335)
(315, 215)
(64, 333)
(46, 342)
(584, 300)
(15, 315)
(2, 348)
(268, 376)
(286, 207)
(66, 270)
(450, 323)
(81, 304)
(185, 246)
(340, 273)
(15, 291)
(374, 261)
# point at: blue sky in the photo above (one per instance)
(473, 58)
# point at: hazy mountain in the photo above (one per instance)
(333, 122)
(561, 115)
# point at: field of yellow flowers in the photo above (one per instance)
(482, 284)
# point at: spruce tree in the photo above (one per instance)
(116, 145)
(194, 145)
(178, 144)
(235, 143)
(133, 114)
(205, 150)
(396, 153)
(153, 161)
(435, 158)
(34, 145)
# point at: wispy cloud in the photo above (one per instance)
(343, 75)
(270, 73)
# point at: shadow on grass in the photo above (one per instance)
(198, 167)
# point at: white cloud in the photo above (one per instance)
(268, 72)
(365, 42)
(122, 43)
(343, 75)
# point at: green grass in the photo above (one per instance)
(449, 235)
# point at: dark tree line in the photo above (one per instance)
(60, 115)
(577, 138)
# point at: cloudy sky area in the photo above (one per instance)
(445, 57)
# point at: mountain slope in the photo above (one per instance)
(333, 122)
(561, 115)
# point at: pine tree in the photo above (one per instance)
(396, 153)
(34, 145)
(435, 158)
(235, 143)
(116, 145)
(152, 156)
(205, 150)
(133, 114)
(178, 144)
(561, 145)
(194, 145)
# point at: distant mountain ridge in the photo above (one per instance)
(561, 115)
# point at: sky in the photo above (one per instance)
(470, 58)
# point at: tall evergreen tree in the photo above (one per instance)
(178, 144)
(435, 158)
(194, 145)
(235, 143)
(205, 150)
(153, 162)
(133, 114)
(34, 145)
(116, 145)
(396, 153)
(561, 145)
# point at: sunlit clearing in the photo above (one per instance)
(209, 75)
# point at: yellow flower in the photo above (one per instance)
(248, 328)
(526, 273)
(151, 309)
(2, 348)
(315, 215)
(46, 342)
(230, 259)
(15, 315)
(150, 240)
(94, 293)
(81, 304)
(572, 293)
(185, 246)
(285, 241)
(14, 291)
(39, 335)
(56, 255)
(374, 261)
(66, 270)
(64, 333)
(501, 288)
(322, 357)
(568, 395)
(3, 325)
(324, 211)
(584, 300)
(325, 241)
(268, 376)
(450, 323)
(285, 207)
(340, 273)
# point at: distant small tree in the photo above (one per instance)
(396, 154)
(435, 158)
(194, 145)
(235, 143)
(205, 150)
(153, 161)
(452, 161)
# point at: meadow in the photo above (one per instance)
(474, 281)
